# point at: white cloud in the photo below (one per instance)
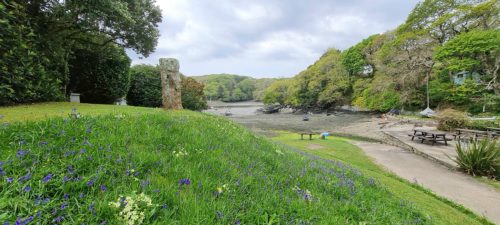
(266, 37)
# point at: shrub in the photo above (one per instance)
(27, 72)
(483, 124)
(449, 119)
(100, 75)
(145, 86)
(192, 94)
(479, 158)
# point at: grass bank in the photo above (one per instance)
(441, 211)
(41, 111)
(154, 167)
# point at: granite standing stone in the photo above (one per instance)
(171, 83)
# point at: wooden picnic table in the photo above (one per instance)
(475, 133)
(432, 136)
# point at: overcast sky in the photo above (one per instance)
(266, 38)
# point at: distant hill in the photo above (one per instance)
(233, 88)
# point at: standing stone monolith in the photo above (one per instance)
(170, 83)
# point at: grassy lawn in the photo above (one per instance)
(441, 210)
(31, 112)
(146, 166)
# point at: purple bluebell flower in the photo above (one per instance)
(164, 206)
(47, 178)
(70, 169)
(10, 179)
(66, 179)
(66, 196)
(63, 206)
(58, 219)
(91, 206)
(86, 142)
(69, 153)
(45, 200)
(123, 202)
(27, 189)
(82, 151)
(156, 190)
(25, 221)
(89, 130)
(185, 181)
(136, 173)
(219, 214)
(80, 195)
(102, 187)
(90, 182)
(144, 183)
(21, 153)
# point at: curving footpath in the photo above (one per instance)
(463, 189)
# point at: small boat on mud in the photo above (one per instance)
(269, 109)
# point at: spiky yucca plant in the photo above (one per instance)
(479, 158)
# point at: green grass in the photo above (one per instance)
(73, 171)
(40, 111)
(439, 209)
(494, 183)
(234, 176)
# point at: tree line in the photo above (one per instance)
(233, 88)
(452, 44)
(50, 48)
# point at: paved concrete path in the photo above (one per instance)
(465, 190)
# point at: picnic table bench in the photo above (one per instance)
(432, 136)
(467, 132)
(494, 129)
(302, 135)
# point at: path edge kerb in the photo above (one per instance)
(398, 143)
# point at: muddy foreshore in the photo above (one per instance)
(361, 124)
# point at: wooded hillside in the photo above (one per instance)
(233, 88)
(453, 44)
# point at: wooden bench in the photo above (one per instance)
(461, 133)
(302, 135)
